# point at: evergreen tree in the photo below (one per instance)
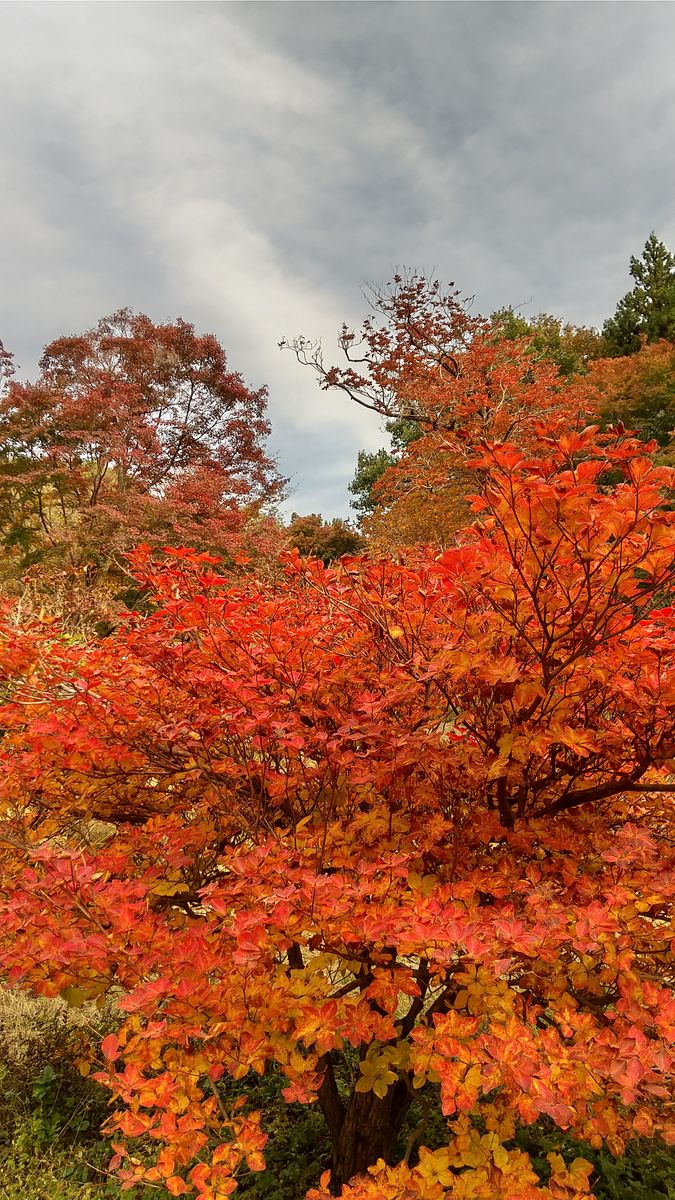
(371, 466)
(647, 313)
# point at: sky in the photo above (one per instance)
(250, 167)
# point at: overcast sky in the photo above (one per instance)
(249, 166)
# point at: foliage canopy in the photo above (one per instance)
(412, 815)
(396, 828)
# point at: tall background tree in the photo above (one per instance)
(384, 494)
(647, 312)
(412, 492)
(401, 365)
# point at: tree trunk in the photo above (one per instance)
(362, 1130)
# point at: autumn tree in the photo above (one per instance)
(327, 540)
(647, 313)
(501, 393)
(638, 390)
(397, 365)
(445, 382)
(133, 431)
(571, 347)
(399, 828)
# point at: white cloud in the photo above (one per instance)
(249, 166)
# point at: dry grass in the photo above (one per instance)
(37, 1030)
(78, 610)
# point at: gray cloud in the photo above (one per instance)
(248, 166)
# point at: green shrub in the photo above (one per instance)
(25, 1177)
(298, 1149)
(50, 1115)
(646, 1171)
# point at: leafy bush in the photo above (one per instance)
(25, 1177)
(646, 1171)
(298, 1149)
(49, 1145)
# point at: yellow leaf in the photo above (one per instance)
(169, 889)
(73, 996)
(579, 1173)
(434, 1167)
(398, 1055)
(497, 769)
(501, 1157)
(499, 1154)
(474, 1155)
(505, 744)
(557, 1165)
(319, 962)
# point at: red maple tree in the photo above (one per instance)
(399, 828)
(134, 431)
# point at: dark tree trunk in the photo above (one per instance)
(362, 1130)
